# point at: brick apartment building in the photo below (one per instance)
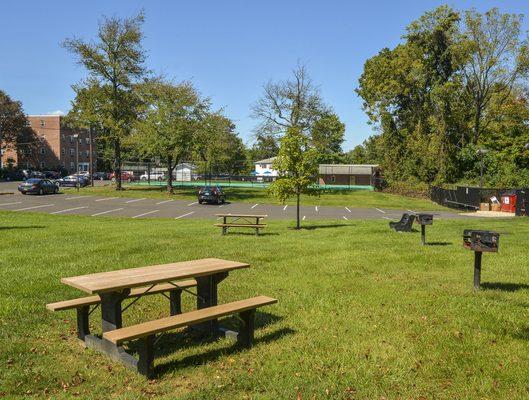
(53, 147)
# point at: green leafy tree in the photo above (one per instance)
(168, 123)
(115, 63)
(297, 167)
(12, 122)
(327, 137)
(496, 58)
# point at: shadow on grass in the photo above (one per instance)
(202, 358)
(2, 228)
(439, 243)
(230, 233)
(507, 287)
(313, 227)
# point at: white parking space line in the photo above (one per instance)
(344, 217)
(107, 198)
(316, 208)
(10, 204)
(387, 218)
(413, 212)
(285, 208)
(255, 205)
(32, 208)
(347, 209)
(135, 200)
(222, 205)
(192, 204)
(68, 209)
(163, 202)
(147, 213)
(75, 198)
(185, 215)
(106, 212)
(303, 219)
(382, 211)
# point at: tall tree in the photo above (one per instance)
(327, 137)
(115, 63)
(167, 126)
(496, 58)
(12, 122)
(297, 167)
(292, 103)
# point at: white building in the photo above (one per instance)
(184, 172)
(264, 167)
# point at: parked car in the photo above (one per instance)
(73, 180)
(52, 174)
(211, 194)
(28, 174)
(154, 176)
(38, 186)
(101, 176)
(126, 176)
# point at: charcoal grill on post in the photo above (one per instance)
(479, 242)
(423, 220)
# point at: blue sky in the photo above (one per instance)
(229, 49)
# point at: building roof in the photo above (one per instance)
(266, 161)
(347, 169)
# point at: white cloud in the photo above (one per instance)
(56, 112)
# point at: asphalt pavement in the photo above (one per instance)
(69, 202)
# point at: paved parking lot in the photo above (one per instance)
(70, 202)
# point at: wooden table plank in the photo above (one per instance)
(113, 281)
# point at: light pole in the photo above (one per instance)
(90, 159)
(481, 152)
(76, 137)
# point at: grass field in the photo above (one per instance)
(363, 312)
(353, 198)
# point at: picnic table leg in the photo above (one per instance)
(175, 302)
(246, 330)
(82, 322)
(224, 228)
(111, 309)
(206, 297)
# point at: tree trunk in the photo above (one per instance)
(298, 224)
(170, 174)
(117, 164)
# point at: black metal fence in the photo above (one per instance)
(469, 198)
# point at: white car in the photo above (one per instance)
(155, 176)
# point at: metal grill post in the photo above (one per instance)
(423, 234)
(477, 269)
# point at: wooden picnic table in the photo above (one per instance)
(115, 286)
(241, 221)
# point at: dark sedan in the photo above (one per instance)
(73, 181)
(38, 186)
(211, 194)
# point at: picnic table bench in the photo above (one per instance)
(241, 221)
(113, 287)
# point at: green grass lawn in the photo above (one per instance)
(353, 198)
(363, 312)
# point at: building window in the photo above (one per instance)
(63, 151)
(87, 140)
(71, 139)
(42, 150)
(333, 179)
(87, 153)
(72, 151)
(42, 123)
(72, 165)
(42, 165)
(62, 136)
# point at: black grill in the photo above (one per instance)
(482, 241)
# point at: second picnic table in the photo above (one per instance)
(241, 221)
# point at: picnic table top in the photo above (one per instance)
(242, 215)
(113, 281)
